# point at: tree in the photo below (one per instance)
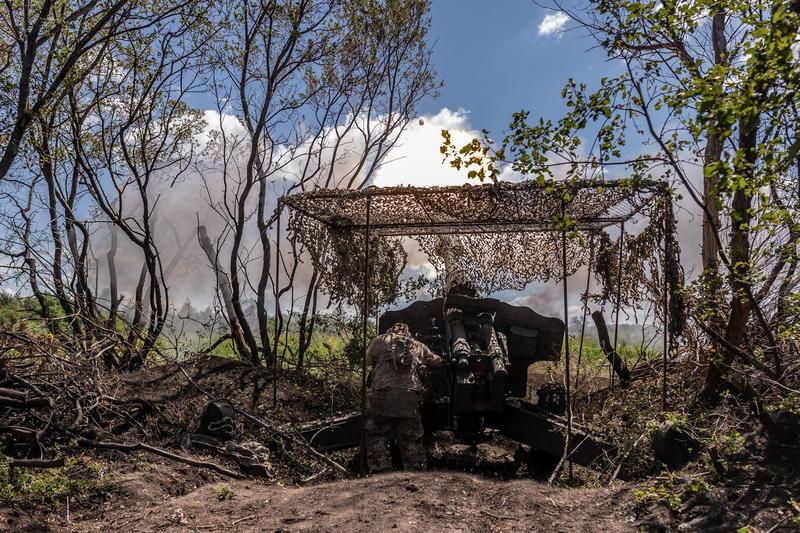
(49, 46)
(99, 154)
(98, 134)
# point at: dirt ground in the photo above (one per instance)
(141, 492)
(430, 501)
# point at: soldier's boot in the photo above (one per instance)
(408, 435)
(378, 458)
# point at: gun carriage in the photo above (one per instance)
(490, 346)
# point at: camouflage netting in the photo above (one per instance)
(492, 236)
(491, 262)
(643, 266)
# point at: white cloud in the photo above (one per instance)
(417, 161)
(214, 121)
(553, 23)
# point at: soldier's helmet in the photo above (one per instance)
(462, 288)
(400, 329)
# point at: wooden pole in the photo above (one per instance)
(619, 297)
(585, 308)
(365, 318)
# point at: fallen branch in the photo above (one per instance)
(611, 354)
(557, 470)
(38, 463)
(314, 477)
(250, 517)
(18, 432)
(11, 393)
(27, 384)
(27, 403)
(216, 343)
(496, 517)
(133, 447)
(554, 503)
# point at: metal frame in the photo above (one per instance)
(523, 224)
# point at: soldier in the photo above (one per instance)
(393, 411)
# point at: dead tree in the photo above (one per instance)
(617, 363)
(224, 288)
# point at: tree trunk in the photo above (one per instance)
(48, 172)
(711, 158)
(137, 324)
(112, 279)
(227, 300)
(306, 325)
(739, 256)
(617, 363)
(266, 259)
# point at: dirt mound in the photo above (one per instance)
(431, 501)
(300, 397)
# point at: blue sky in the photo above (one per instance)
(494, 62)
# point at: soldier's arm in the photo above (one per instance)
(429, 358)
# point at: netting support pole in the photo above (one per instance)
(667, 254)
(365, 319)
(277, 304)
(585, 307)
(619, 297)
(568, 449)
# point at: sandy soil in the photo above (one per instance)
(431, 501)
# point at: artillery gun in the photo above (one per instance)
(490, 345)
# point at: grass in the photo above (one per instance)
(326, 348)
(77, 478)
(18, 312)
(225, 492)
(592, 354)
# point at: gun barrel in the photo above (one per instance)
(459, 345)
(493, 348)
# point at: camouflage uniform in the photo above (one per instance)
(393, 412)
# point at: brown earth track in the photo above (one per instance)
(430, 501)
